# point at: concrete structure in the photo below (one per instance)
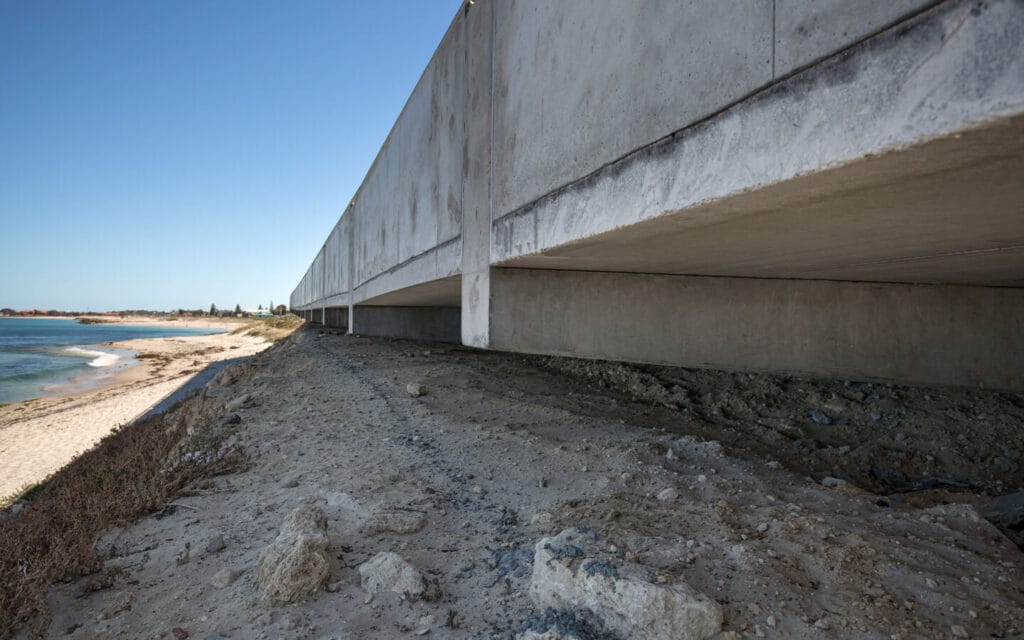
(811, 186)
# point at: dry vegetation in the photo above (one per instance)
(272, 329)
(51, 532)
(133, 472)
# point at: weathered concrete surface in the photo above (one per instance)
(564, 73)
(793, 140)
(808, 30)
(918, 333)
(476, 193)
(889, 94)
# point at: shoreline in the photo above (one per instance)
(98, 377)
(39, 436)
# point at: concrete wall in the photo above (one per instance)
(798, 140)
(863, 331)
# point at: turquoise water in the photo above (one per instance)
(37, 354)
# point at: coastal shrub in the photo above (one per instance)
(132, 472)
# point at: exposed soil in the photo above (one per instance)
(502, 450)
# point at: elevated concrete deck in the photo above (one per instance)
(808, 189)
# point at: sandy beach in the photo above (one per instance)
(38, 437)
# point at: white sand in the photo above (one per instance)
(39, 437)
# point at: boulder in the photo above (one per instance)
(296, 564)
(388, 571)
(620, 594)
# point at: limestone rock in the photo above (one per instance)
(619, 594)
(388, 571)
(215, 544)
(224, 578)
(415, 390)
(296, 564)
(668, 494)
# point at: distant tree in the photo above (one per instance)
(7, 312)
(260, 308)
(238, 309)
(213, 309)
(280, 310)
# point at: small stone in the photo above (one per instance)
(931, 583)
(290, 483)
(179, 633)
(958, 631)
(823, 624)
(215, 544)
(762, 527)
(831, 483)
(900, 436)
(771, 622)
(224, 578)
(754, 608)
(820, 417)
(335, 587)
(774, 464)
(702, 478)
(415, 390)
(388, 571)
(669, 494)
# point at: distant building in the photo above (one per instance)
(258, 313)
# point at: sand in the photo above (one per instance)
(38, 437)
(503, 450)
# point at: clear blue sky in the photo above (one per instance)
(177, 153)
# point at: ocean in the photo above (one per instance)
(39, 354)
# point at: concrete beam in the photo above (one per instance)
(951, 335)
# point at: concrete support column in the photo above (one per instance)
(476, 193)
(930, 334)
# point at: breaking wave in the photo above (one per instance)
(99, 358)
